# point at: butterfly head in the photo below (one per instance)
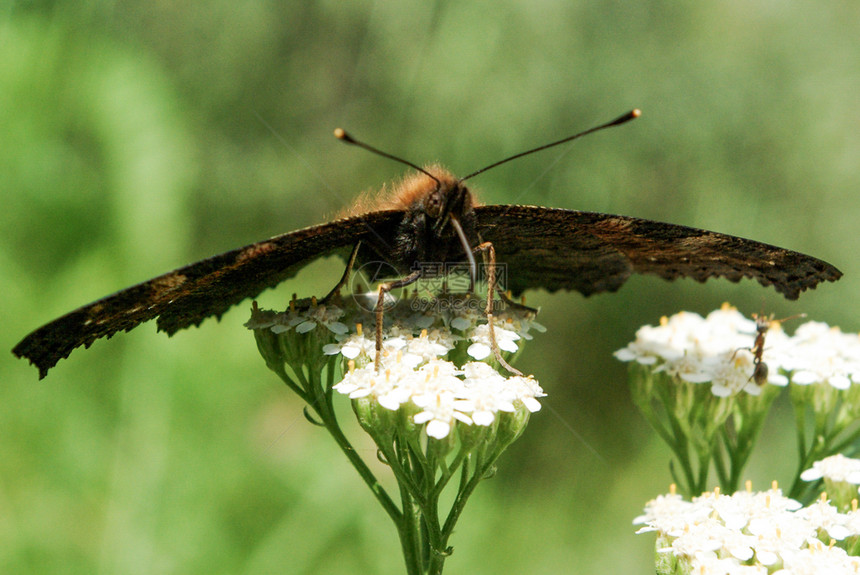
(446, 204)
(439, 218)
(438, 196)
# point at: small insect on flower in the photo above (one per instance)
(762, 326)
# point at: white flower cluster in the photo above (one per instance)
(406, 317)
(442, 393)
(303, 320)
(416, 372)
(748, 532)
(823, 353)
(720, 349)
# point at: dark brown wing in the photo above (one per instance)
(590, 253)
(188, 295)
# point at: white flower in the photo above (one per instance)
(412, 372)
(479, 350)
(722, 349)
(482, 346)
(487, 391)
(522, 324)
(443, 393)
(527, 390)
(462, 323)
(668, 341)
(430, 344)
(688, 368)
(667, 514)
(354, 345)
(822, 515)
(836, 468)
(437, 398)
(818, 559)
(820, 353)
(712, 565)
(261, 319)
(731, 376)
(389, 386)
(277, 322)
(714, 533)
(700, 538)
(328, 316)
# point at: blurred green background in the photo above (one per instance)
(139, 136)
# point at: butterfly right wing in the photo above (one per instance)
(190, 294)
(590, 252)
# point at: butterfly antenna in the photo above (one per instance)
(344, 137)
(631, 115)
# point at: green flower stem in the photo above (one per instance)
(798, 487)
(278, 368)
(409, 531)
(833, 414)
(463, 495)
(676, 436)
(723, 474)
(848, 446)
(323, 408)
(449, 472)
(420, 526)
(413, 444)
(415, 472)
(642, 385)
(704, 466)
(823, 445)
(422, 532)
(699, 426)
(400, 468)
(748, 417)
(436, 553)
(676, 441)
(430, 508)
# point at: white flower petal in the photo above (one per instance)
(332, 349)
(484, 418)
(531, 404)
(337, 327)
(508, 345)
(812, 474)
(438, 429)
(479, 350)
(305, 326)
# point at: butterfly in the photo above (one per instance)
(432, 217)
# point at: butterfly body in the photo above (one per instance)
(424, 237)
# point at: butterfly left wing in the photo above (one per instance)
(188, 295)
(591, 252)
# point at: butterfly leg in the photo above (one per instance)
(382, 290)
(503, 295)
(346, 273)
(491, 288)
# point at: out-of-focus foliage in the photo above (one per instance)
(138, 136)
